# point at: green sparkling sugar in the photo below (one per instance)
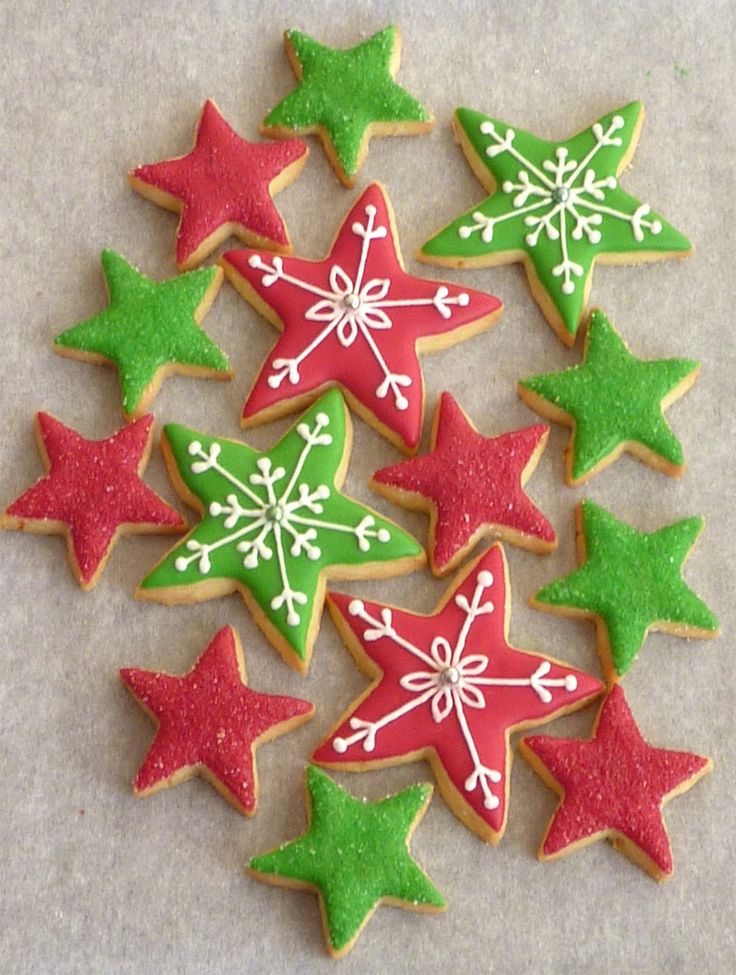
(614, 401)
(273, 525)
(556, 206)
(149, 328)
(631, 582)
(343, 94)
(355, 854)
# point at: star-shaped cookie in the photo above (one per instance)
(275, 526)
(613, 402)
(149, 330)
(449, 688)
(210, 722)
(557, 207)
(92, 494)
(613, 785)
(355, 856)
(345, 97)
(355, 319)
(472, 486)
(629, 582)
(224, 186)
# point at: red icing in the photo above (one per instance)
(210, 719)
(94, 489)
(473, 481)
(354, 366)
(504, 707)
(614, 781)
(224, 179)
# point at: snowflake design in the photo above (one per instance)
(353, 309)
(451, 682)
(564, 200)
(275, 513)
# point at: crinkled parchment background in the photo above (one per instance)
(93, 880)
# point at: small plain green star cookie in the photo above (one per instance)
(557, 207)
(149, 330)
(613, 402)
(345, 97)
(630, 582)
(355, 855)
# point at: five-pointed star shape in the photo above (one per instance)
(613, 402)
(149, 330)
(92, 493)
(449, 688)
(555, 206)
(224, 186)
(210, 723)
(355, 855)
(345, 97)
(612, 785)
(630, 582)
(356, 320)
(472, 487)
(275, 526)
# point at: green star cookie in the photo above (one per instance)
(149, 330)
(275, 526)
(630, 582)
(557, 207)
(355, 855)
(613, 402)
(345, 97)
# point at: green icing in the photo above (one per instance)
(557, 203)
(345, 92)
(147, 326)
(632, 581)
(273, 522)
(614, 399)
(355, 853)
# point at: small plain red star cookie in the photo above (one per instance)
(472, 486)
(224, 186)
(210, 723)
(612, 785)
(92, 494)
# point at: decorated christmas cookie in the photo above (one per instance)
(354, 319)
(449, 688)
(613, 785)
(149, 330)
(629, 582)
(355, 856)
(210, 722)
(92, 494)
(557, 207)
(224, 186)
(345, 97)
(472, 486)
(613, 402)
(275, 526)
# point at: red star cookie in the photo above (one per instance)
(472, 487)
(449, 688)
(354, 320)
(613, 785)
(92, 493)
(210, 722)
(223, 186)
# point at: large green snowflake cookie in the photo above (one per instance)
(557, 207)
(275, 526)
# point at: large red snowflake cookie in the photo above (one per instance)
(356, 320)
(472, 486)
(449, 688)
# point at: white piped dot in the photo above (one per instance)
(656, 227)
(180, 564)
(356, 606)
(568, 287)
(571, 682)
(292, 618)
(339, 745)
(194, 448)
(487, 128)
(464, 232)
(485, 578)
(463, 299)
(322, 419)
(254, 260)
(383, 535)
(215, 508)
